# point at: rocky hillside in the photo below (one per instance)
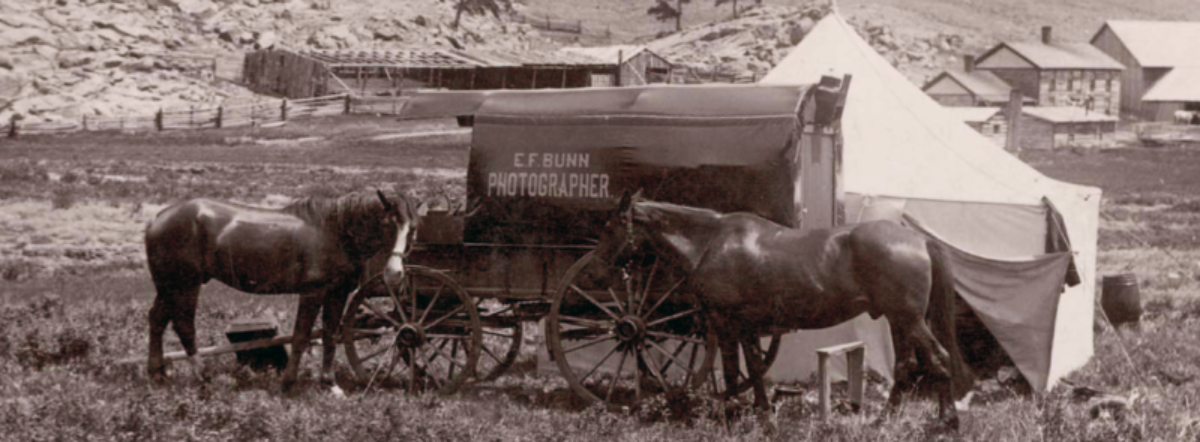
(67, 58)
(752, 44)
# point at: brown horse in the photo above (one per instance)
(316, 247)
(751, 275)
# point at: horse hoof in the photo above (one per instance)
(766, 418)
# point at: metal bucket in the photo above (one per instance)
(1120, 299)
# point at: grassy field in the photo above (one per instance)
(75, 296)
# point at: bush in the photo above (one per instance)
(63, 198)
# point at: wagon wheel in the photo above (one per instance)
(502, 334)
(423, 335)
(769, 350)
(659, 339)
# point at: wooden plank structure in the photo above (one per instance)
(304, 74)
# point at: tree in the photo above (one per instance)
(663, 11)
(735, 8)
(480, 7)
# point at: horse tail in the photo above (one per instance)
(941, 316)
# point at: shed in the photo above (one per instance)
(988, 121)
(1162, 60)
(969, 87)
(639, 65)
(1056, 73)
(302, 74)
(1065, 126)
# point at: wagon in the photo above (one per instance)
(545, 169)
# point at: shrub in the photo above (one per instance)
(63, 198)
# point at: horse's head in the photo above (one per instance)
(403, 218)
(618, 239)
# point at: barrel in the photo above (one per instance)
(1120, 298)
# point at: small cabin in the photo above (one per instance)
(1065, 126)
(988, 121)
(969, 87)
(638, 65)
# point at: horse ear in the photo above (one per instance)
(637, 196)
(383, 199)
(423, 209)
(626, 201)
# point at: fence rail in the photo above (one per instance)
(548, 24)
(229, 114)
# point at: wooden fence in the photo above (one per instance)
(253, 113)
(548, 24)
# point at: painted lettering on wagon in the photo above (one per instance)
(558, 175)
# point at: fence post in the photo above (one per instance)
(12, 127)
(283, 110)
(579, 27)
(192, 116)
(549, 27)
(214, 71)
(346, 107)
(220, 115)
(85, 122)
(158, 120)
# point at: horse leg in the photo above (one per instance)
(306, 315)
(937, 360)
(331, 321)
(182, 311)
(757, 369)
(730, 366)
(902, 370)
(160, 317)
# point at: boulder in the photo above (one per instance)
(387, 34)
(74, 60)
(6, 61)
(26, 37)
(265, 40)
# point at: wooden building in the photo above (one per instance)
(988, 121)
(969, 87)
(1057, 73)
(639, 65)
(1162, 65)
(302, 74)
(1065, 126)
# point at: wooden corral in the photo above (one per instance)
(1068, 126)
(1159, 76)
(1057, 73)
(301, 74)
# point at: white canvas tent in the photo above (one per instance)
(904, 156)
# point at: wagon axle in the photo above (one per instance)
(630, 328)
(410, 336)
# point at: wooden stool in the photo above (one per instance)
(855, 355)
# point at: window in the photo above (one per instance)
(995, 128)
(1071, 87)
(1052, 82)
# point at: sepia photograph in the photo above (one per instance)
(599, 220)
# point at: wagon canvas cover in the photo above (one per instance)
(543, 162)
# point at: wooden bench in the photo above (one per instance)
(855, 356)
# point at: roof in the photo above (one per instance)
(1058, 55)
(705, 101)
(972, 114)
(526, 57)
(1179, 84)
(446, 58)
(419, 58)
(982, 84)
(610, 54)
(1067, 114)
(1145, 41)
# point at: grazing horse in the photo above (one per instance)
(751, 275)
(315, 247)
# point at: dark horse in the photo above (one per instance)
(751, 275)
(315, 247)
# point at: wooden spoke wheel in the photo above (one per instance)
(502, 334)
(424, 335)
(622, 339)
(767, 350)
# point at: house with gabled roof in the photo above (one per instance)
(1056, 73)
(969, 87)
(1162, 60)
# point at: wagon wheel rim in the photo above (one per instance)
(502, 338)
(426, 336)
(652, 355)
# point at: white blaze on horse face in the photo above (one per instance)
(395, 265)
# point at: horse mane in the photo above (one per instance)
(654, 210)
(334, 213)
